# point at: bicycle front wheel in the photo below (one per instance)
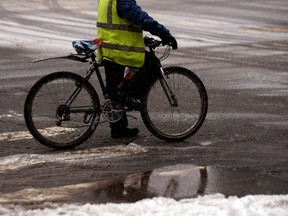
(178, 120)
(62, 110)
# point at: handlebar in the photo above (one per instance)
(152, 44)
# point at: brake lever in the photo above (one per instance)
(155, 44)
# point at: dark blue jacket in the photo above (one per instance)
(128, 9)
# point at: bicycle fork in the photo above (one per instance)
(167, 89)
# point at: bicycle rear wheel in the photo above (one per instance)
(62, 110)
(175, 122)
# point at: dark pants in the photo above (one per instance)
(114, 75)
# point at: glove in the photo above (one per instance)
(171, 41)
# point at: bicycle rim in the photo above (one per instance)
(54, 123)
(176, 123)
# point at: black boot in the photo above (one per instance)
(120, 129)
(126, 132)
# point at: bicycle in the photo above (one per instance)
(63, 109)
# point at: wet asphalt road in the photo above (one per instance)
(238, 48)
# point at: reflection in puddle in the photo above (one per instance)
(188, 181)
(179, 181)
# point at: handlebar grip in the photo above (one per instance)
(151, 42)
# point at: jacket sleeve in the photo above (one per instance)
(128, 9)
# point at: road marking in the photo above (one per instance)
(11, 114)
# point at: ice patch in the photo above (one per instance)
(206, 143)
(13, 162)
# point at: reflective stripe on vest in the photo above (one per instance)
(130, 28)
(122, 41)
(122, 47)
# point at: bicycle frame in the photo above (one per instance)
(95, 68)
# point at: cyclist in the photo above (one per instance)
(119, 26)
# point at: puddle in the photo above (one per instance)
(177, 182)
(188, 181)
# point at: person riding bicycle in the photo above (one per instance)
(120, 26)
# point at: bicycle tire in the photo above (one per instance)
(45, 108)
(179, 122)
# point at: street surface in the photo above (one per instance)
(239, 49)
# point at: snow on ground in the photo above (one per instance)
(212, 205)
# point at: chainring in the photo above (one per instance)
(112, 111)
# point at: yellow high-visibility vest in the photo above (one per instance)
(122, 41)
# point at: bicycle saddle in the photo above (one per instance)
(84, 46)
